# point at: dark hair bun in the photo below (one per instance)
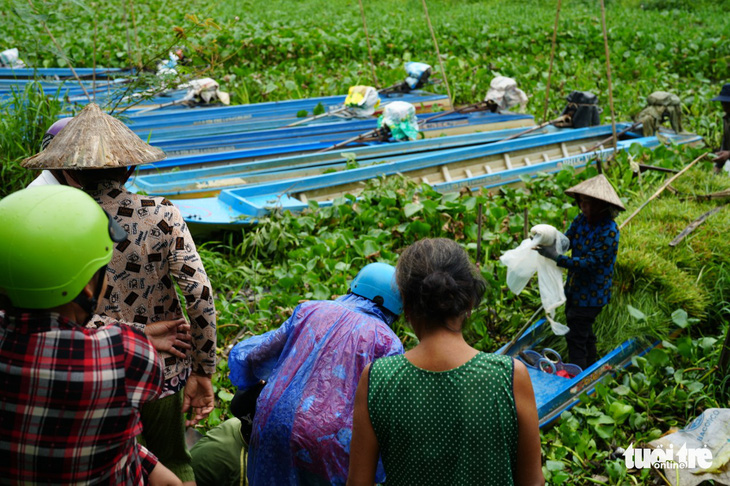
(437, 281)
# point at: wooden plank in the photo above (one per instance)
(507, 161)
(488, 169)
(527, 161)
(446, 173)
(425, 180)
(694, 224)
(545, 157)
(468, 173)
(564, 149)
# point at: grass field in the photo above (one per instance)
(279, 49)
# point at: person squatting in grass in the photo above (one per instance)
(94, 151)
(444, 413)
(594, 238)
(69, 407)
(311, 364)
(723, 154)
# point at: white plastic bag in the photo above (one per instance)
(523, 262)
(707, 434)
(504, 92)
(362, 101)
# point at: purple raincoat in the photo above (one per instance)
(312, 365)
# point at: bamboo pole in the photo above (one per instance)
(535, 128)
(479, 235)
(438, 53)
(552, 57)
(661, 189)
(608, 73)
(61, 53)
(367, 38)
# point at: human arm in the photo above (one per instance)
(253, 359)
(720, 158)
(142, 367)
(186, 268)
(529, 462)
(602, 250)
(198, 397)
(170, 336)
(154, 471)
(364, 449)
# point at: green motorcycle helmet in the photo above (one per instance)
(53, 239)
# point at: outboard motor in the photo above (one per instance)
(661, 105)
(582, 110)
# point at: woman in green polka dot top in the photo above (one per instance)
(444, 413)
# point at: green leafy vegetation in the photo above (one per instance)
(274, 50)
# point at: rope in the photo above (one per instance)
(608, 72)
(438, 53)
(367, 38)
(552, 57)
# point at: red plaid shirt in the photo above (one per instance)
(69, 401)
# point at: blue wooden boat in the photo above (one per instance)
(483, 166)
(142, 123)
(316, 137)
(58, 73)
(555, 394)
(207, 174)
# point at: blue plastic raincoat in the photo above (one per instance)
(312, 365)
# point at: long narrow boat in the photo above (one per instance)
(206, 175)
(316, 137)
(555, 394)
(58, 73)
(245, 118)
(483, 166)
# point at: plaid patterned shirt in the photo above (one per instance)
(590, 267)
(69, 401)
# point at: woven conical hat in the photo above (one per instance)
(94, 140)
(598, 188)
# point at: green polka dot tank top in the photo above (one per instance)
(455, 427)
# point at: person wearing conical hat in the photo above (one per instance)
(723, 154)
(594, 238)
(99, 152)
(55, 177)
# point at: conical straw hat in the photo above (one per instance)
(94, 140)
(597, 187)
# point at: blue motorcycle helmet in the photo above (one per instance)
(376, 281)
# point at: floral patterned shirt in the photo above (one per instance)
(590, 267)
(158, 253)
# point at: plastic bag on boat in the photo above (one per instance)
(505, 94)
(706, 435)
(418, 74)
(362, 100)
(204, 90)
(523, 262)
(11, 58)
(400, 118)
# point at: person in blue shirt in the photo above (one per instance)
(311, 365)
(594, 238)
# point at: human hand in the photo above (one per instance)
(547, 251)
(198, 398)
(170, 336)
(721, 156)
